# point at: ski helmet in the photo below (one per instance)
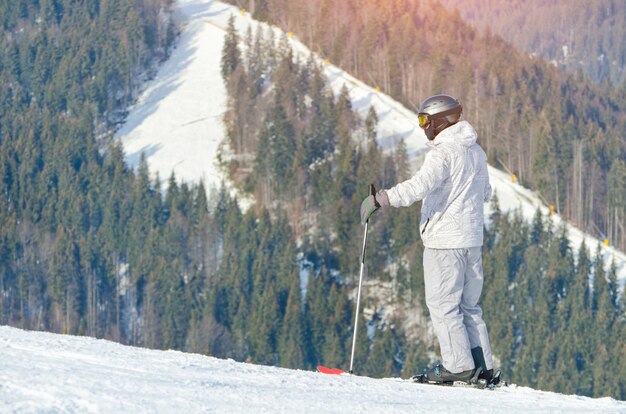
(437, 113)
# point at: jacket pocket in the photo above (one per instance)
(425, 225)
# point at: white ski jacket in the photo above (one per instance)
(453, 183)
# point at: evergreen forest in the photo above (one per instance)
(560, 134)
(554, 316)
(90, 247)
(576, 36)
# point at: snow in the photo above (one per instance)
(177, 122)
(45, 372)
(395, 122)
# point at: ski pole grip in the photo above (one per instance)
(372, 190)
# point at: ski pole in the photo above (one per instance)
(358, 295)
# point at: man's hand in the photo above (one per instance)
(373, 203)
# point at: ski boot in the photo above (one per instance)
(487, 378)
(479, 362)
(441, 376)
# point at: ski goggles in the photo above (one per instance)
(451, 115)
(424, 120)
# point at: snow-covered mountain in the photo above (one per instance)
(45, 372)
(177, 122)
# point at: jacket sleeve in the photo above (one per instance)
(433, 172)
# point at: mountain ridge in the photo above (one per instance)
(395, 122)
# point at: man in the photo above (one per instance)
(453, 183)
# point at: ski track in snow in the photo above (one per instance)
(177, 121)
(45, 372)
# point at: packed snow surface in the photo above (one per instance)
(45, 372)
(178, 121)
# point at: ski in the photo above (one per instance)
(331, 371)
(495, 382)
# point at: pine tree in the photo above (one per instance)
(603, 333)
(381, 358)
(282, 146)
(335, 351)
(317, 315)
(291, 341)
(416, 359)
(266, 320)
(499, 270)
(402, 163)
(231, 55)
(575, 358)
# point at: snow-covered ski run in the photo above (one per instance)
(44, 372)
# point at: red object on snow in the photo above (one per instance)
(326, 370)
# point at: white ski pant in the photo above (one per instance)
(453, 280)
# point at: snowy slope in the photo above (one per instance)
(177, 122)
(44, 372)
